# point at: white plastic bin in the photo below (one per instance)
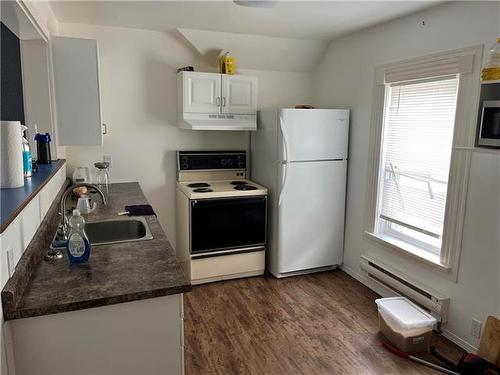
(404, 324)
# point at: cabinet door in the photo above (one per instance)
(30, 221)
(11, 241)
(201, 92)
(77, 94)
(239, 94)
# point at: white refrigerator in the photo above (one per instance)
(300, 155)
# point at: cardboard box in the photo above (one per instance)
(410, 341)
(404, 324)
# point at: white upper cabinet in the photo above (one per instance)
(213, 101)
(239, 94)
(77, 93)
(201, 92)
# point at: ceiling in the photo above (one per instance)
(320, 20)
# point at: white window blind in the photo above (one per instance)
(417, 143)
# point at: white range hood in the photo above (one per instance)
(205, 121)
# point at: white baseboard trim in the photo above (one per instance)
(384, 292)
(377, 288)
(459, 341)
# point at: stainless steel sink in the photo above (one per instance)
(113, 231)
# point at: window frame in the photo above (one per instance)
(384, 227)
(466, 65)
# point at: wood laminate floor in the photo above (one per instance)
(324, 323)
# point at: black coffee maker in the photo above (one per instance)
(43, 148)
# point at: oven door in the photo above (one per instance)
(489, 133)
(223, 224)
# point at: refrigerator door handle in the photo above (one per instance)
(285, 139)
(284, 165)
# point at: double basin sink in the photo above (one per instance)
(114, 231)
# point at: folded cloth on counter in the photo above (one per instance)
(140, 210)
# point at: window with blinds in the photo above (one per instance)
(417, 143)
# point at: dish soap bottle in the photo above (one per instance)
(27, 158)
(78, 243)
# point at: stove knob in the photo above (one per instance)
(184, 166)
(241, 165)
(230, 162)
(184, 159)
(240, 158)
(223, 161)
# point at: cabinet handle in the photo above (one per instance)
(217, 101)
(224, 101)
(104, 129)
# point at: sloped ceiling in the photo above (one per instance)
(291, 37)
(256, 51)
(322, 20)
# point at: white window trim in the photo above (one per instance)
(466, 63)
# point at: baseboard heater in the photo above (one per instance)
(434, 302)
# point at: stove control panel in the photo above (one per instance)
(211, 160)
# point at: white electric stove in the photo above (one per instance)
(220, 189)
(221, 217)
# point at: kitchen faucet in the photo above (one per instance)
(63, 228)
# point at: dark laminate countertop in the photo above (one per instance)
(115, 273)
(14, 200)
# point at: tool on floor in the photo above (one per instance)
(402, 354)
(469, 364)
(447, 362)
(487, 360)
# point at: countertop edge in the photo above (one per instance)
(92, 303)
(58, 165)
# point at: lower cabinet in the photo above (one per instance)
(17, 236)
(13, 241)
(139, 337)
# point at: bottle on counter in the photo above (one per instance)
(227, 64)
(491, 71)
(27, 156)
(43, 148)
(78, 246)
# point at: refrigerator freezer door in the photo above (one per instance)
(313, 134)
(311, 216)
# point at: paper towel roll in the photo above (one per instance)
(11, 155)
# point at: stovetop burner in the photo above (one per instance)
(202, 190)
(198, 185)
(245, 187)
(238, 183)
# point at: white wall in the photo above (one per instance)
(138, 90)
(345, 78)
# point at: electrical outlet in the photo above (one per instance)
(107, 158)
(475, 328)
